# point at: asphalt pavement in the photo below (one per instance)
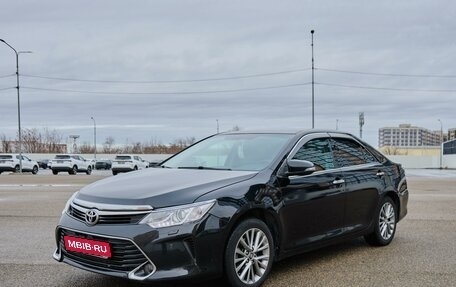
(423, 252)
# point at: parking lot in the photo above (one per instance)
(422, 254)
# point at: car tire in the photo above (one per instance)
(74, 170)
(135, 168)
(114, 172)
(35, 170)
(250, 267)
(17, 168)
(89, 170)
(385, 222)
(54, 172)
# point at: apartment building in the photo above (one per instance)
(406, 135)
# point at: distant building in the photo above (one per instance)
(451, 134)
(406, 135)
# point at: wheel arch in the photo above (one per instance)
(393, 195)
(265, 215)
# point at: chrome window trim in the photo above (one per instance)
(131, 274)
(113, 207)
(103, 212)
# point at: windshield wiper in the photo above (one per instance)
(203, 167)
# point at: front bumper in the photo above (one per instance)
(179, 252)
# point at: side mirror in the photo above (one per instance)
(299, 167)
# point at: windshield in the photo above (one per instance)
(252, 152)
(6, 157)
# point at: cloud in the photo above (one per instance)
(174, 40)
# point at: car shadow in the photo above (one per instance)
(298, 263)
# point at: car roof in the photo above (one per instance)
(288, 131)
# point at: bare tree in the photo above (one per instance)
(31, 141)
(108, 145)
(236, 128)
(6, 145)
(52, 141)
(86, 148)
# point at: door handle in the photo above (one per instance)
(338, 181)
(380, 173)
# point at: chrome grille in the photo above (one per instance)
(108, 217)
(125, 256)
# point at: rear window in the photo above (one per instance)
(6, 156)
(62, 157)
(123, 157)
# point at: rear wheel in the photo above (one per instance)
(114, 172)
(74, 170)
(17, 168)
(385, 224)
(55, 172)
(35, 170)
(249, 254)
(135, 168)
(89, 170)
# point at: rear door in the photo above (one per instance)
(364, 180)
(313, 204)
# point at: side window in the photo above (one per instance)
(136, 158)
(318, 152)
(348, 152)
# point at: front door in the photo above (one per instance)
(313, 204)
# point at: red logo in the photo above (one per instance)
(87, 246)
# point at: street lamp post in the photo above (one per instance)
(218, 129)
(337, 124)
(18, 101)
(94, 138)
(313, 82)
(441, 142)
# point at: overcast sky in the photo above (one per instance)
(120, 42)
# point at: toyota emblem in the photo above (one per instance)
(92, 216)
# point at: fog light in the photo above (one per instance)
(142, 271)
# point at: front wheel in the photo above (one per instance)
(17, 168)
(385, 224)
(55, 172)
(89, 170)
(249, 254)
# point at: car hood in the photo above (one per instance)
(160, 187)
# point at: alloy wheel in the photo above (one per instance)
(251, 257)
(387, 221)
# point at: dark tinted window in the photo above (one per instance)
(348, 152)
(318, 152)
(123, 157)
(6, 157)
(449, 147)
(62, 157)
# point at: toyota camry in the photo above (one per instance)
(231, 205)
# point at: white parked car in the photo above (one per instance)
(125, 163)
(11, 162)
(70, 163)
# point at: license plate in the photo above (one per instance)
(2, 161)
(121, 162)
(87, 246)
(60, 161)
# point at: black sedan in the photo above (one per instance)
(103, 164)
(234, 204)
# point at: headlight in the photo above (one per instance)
(67, 205)
(178, 215)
